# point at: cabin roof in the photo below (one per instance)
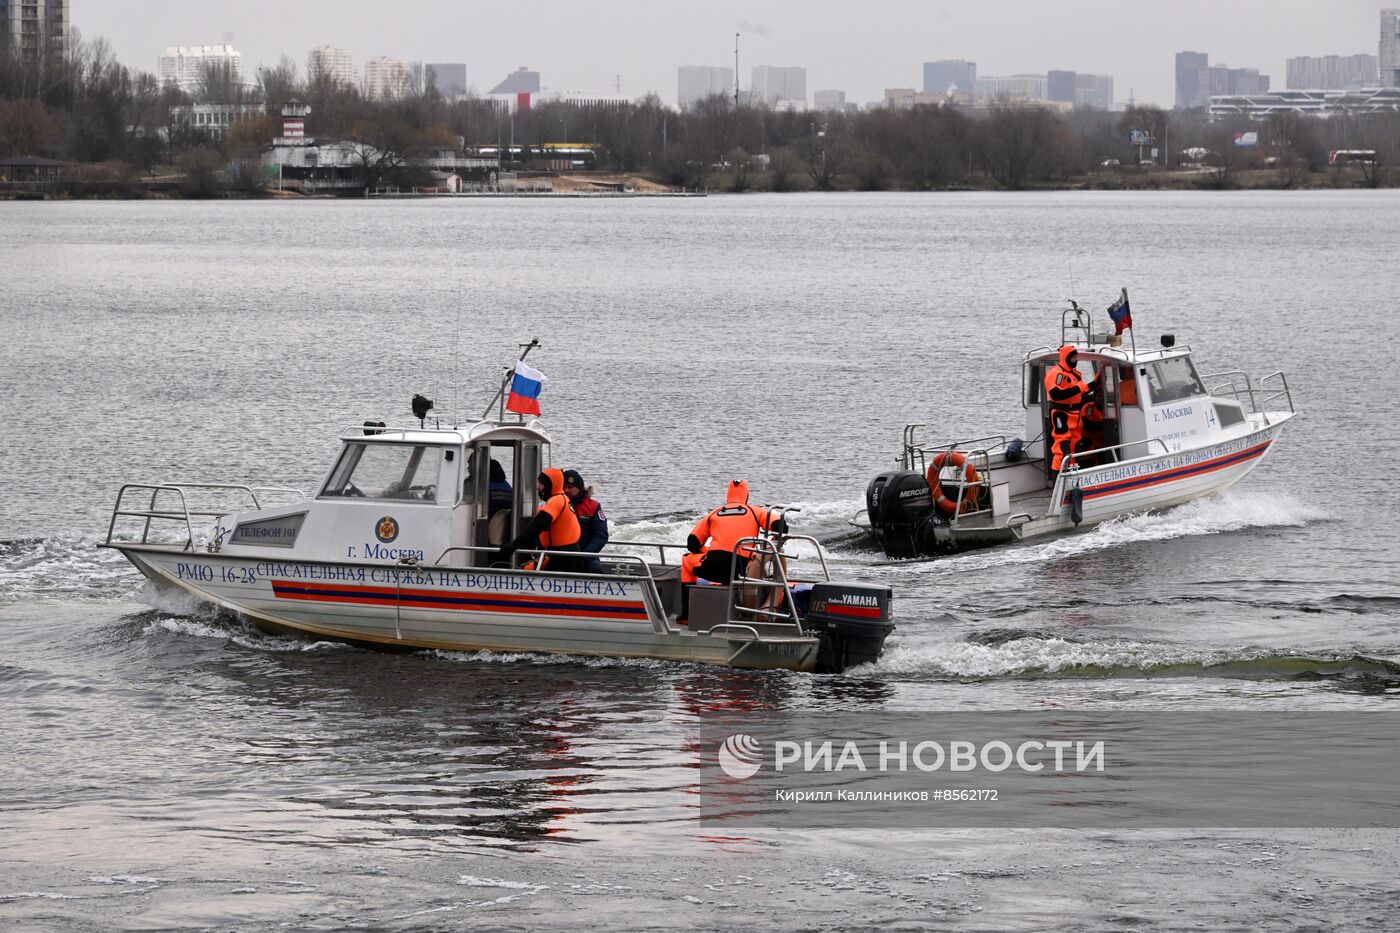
(479, 431)
(1123, 354)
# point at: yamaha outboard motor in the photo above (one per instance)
(852, 620)
(900, 506)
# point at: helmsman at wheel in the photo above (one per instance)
(1071, 401)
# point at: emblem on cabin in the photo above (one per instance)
(386, 529)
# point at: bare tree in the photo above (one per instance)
(279, 84)
(826, 157)
(1382, 137)
(710, 132)
(1014, 139)
(742, 178)
(26, 128)
(928, 145)
(1226, 159)
(384, 147)
(783, 167)
(218, 85)
(200, 168)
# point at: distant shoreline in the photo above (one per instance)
(645, 186)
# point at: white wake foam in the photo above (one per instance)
(237, 632)
(65, 568)
(1049, 656)
(1040, 656)
(1233, 510)
(531, 657)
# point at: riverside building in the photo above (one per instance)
(1315, 102)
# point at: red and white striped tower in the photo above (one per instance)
(294, 114)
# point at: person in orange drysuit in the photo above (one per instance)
(1071, 401)
(713, 539)
(555, 527)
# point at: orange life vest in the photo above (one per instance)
(563, 527)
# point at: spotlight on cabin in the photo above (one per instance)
(421, 407)
(1169, 340)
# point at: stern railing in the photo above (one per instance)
(769, 592)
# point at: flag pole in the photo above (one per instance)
(501, 392)
(1132, 333)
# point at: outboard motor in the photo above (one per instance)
(900, 506)
(852, 620)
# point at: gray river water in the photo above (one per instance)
(168, 767)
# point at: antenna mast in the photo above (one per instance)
(736, 71)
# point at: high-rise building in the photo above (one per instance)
(1189, 66)
(696, 82)
(33, 26)
(829, 100)
(450, 78)
(1197, 81)
(333, 63)
(520, 81)
(1332, 72)
(1060, 86)
(1390, 48)
(950, 76)
(772, 84)
(1015, 87)
(1093, 91)
(386, 78)
(186, 65)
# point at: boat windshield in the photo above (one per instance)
(384, 471)
(1172, 379)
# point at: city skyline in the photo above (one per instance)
(592, 45)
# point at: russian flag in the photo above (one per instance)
(1120, 313)
(525, 390)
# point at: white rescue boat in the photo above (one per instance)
(399, 547)
(1168, 435)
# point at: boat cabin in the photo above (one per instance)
(1151, 402)
(429, 495)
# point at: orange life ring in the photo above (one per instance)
(935, 483)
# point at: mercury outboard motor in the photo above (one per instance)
(900, 507)
(852, 620)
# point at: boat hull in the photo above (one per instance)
(1107, 492)
(452, 609)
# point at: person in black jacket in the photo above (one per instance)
(592, 523)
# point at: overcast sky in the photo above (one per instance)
(859, 47)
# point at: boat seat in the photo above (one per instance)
(668, 586)
(709, 606)
(498, 528)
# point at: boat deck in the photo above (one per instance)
(1033, 504)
